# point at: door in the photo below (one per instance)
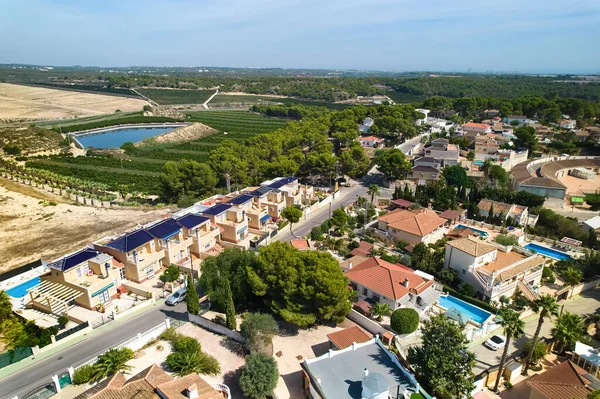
(104, 297)
(122, 274)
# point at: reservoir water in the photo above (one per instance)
(116, 138)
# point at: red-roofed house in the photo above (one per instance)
(414, 227)
(565, 381)
(346, 337)
(364, 249)
(477, 127)
(370, 141)
(376, 280)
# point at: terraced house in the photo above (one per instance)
(233, 223)
(205, 236)
(87, 277)
(494, 271)
(140, 252)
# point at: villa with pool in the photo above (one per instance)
(495, 271)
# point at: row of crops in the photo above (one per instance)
(140, 170)
(177, 96)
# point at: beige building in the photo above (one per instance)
(139, 251)
(95, 277)
(175, 243)
(232, 221)
(414, 227)
(494, 271)
(205, 235)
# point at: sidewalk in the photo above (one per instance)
(64, 344)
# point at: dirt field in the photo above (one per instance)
(579, 186)
(31, 228)
(31, 103)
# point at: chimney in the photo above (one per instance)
(406, 282)
(192, 391)
(365, 373)
(349, 265)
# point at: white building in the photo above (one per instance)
(366, 125)
(592, 224)
(371, 141)
(493, 272)
(441, 149)
(522, 119)
(477, 127)
(423, 120)
(567, 124)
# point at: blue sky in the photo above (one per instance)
(538, 36)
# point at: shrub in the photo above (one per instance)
(315, 233)
(405, 320)
(83, 374)
(170, 274)
(184, 363)
(169, 334)
(62, 321)
(506, 240)
(257, 329)
(12, 149)
(508, 384)
(259, 376)
(112, 361)
(539, 352)
(186, 344)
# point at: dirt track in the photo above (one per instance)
(31, 228)
(32, 103)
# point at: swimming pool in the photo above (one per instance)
(20, 290)
(478, 162)
(480, 232)
(549, 252)
(471, 312)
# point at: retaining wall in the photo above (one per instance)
(214, 327)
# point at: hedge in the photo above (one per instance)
(471, 300)
(405, 320)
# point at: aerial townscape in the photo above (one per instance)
(392, 206)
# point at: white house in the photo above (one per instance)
(592, 224)
(567, 124)
(394, 284)
(442, 149)
(423, 120)
(371, 141)
(477, 127)
(519, 213)
(492, 272)
(522, 119)
(366, 125)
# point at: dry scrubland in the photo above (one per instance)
(31, 103)
(32, 228)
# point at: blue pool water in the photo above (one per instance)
(466, 309)
(478, 162)
(549, 252)
(20, 290)
(116, 138)
(480, 232)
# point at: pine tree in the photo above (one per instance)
(193, 303)
(229, 307)
(490, 216)
(407, 195)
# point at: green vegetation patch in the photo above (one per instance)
(236, 121)
(23, 140)
(176, 96)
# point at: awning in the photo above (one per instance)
(101, 290)
(429, 296)
(242, 229)
(265, 218)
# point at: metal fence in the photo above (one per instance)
(73, 330)
(102, 320)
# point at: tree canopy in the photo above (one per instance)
(186, 177)
(393, 164)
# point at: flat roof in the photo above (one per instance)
(340, 376)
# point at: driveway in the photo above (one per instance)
(586, 303)
(228, 352)
(295, 346)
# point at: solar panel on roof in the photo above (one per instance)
(165, 229)
(130, 241)
(282, 182)
(240, 199)
(191, 220)
(261, 191)
(75, 259)
(216, 209)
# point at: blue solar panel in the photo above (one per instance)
(261, 191)
(217, 209)
(165, 229)
(75, 259)
(191, 220)
(241, 199)
(130, 241)
(282, 182)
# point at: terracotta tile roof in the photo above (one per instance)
(520, 268)
(486, 204)
(372, 138)
(461, 232)
(363, 250)
(387, 279)
(450, 214)
(344, 338)
(564, 381)
(475, 125)
(420, 223)
(402, 202)
(300, 244)
(353, 261)
(176, 389)
(472, 246)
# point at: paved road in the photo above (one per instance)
(347, 196)
(116, 332)
(588, 303)
(107, 336)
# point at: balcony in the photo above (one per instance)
(146, 258)
(177, 245)
(224, 389)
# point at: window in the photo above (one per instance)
(149, 270)
(365, 291)
(376, 297)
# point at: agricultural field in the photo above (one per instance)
(26, 140)
(177, 96)
(139, 171)
(22, 103)
(240, 100)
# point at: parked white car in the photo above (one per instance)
(495, 342)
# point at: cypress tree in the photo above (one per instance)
(229, 307)
(193, 304)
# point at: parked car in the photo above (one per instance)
(178, 296)
(495, 342)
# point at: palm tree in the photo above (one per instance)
(513, 328)
(373, 190)
(593, 320)
(379, 310)
(547, 307)
(112, 361)
(568, 329)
